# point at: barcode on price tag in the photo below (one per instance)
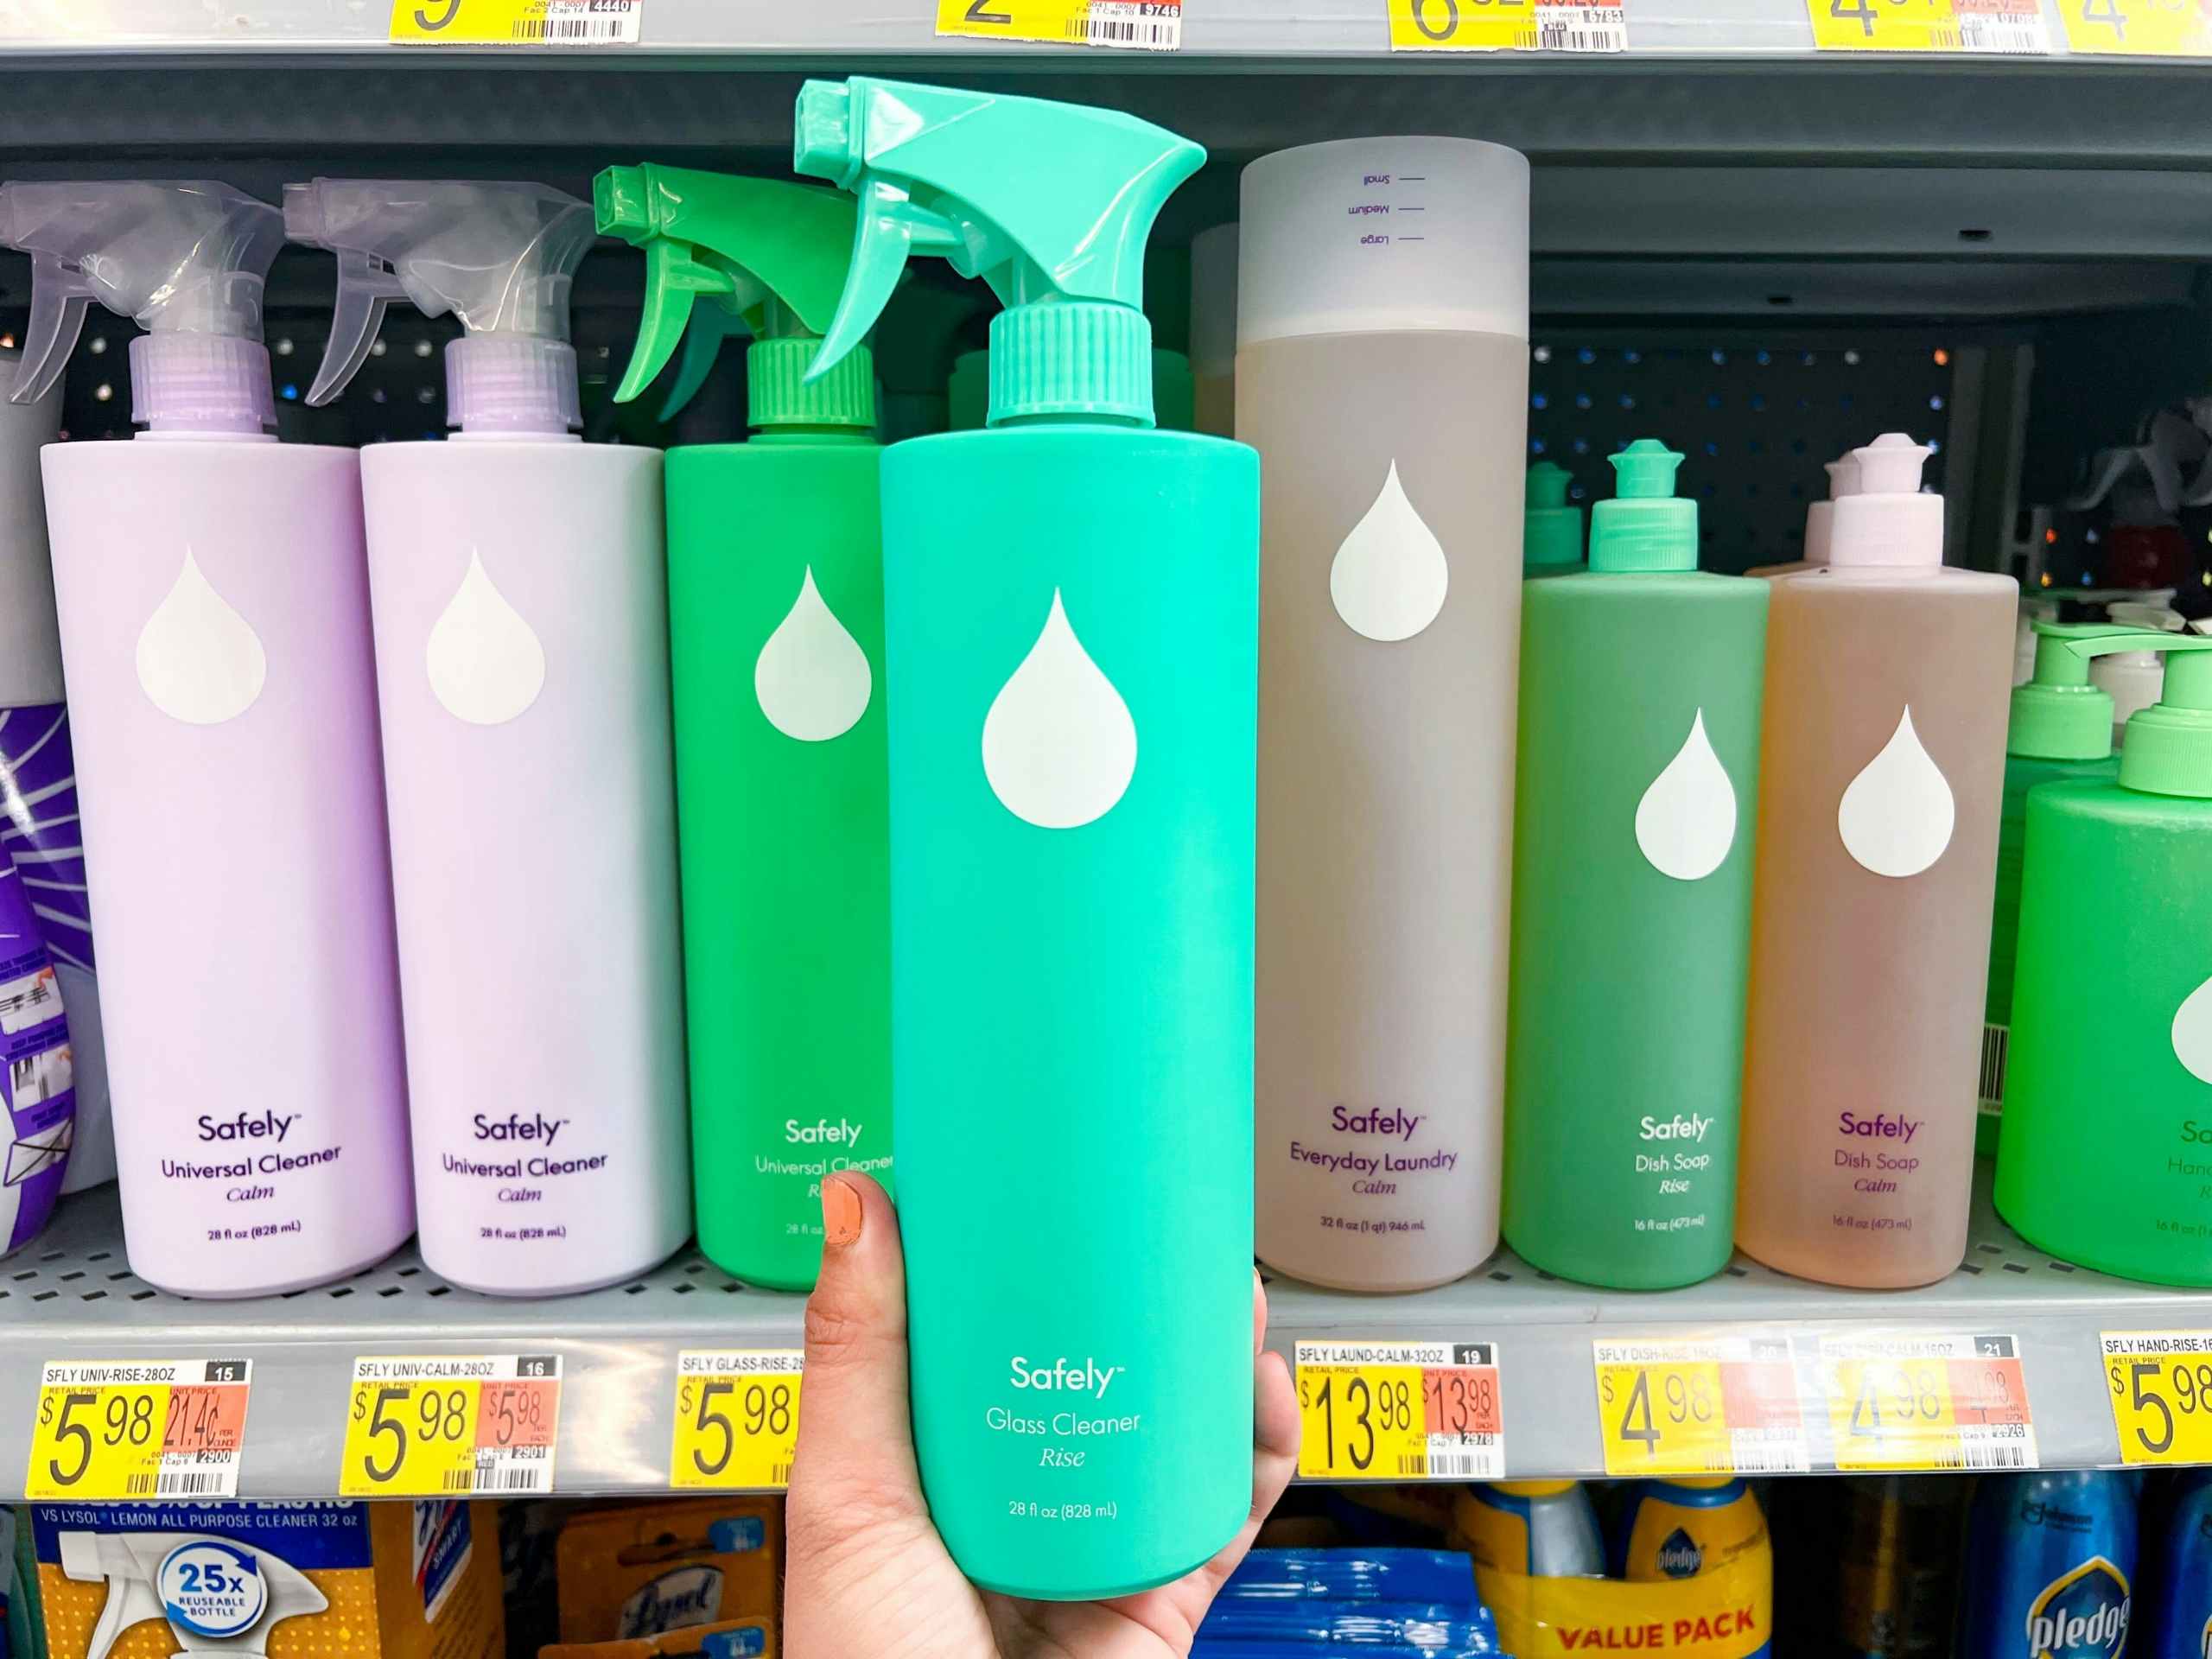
(1699, 1405)
(736, 1419)
(517, 23)
(2013, 28)
(472, 1426)
(1899, 1400)
(107, 1429)
(2160, 1386)
(1508, 26)
(1131, 25)
(1400, 1411)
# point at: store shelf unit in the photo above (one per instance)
(73, 1298)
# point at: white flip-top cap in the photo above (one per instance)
(1383, 236)
(1888, 519)
(1820, 518)
(1213, 301)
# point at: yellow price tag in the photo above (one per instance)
(2137, 28)
(1509, 25)
(2004, 27)
(451, 1427)
(1141, 25)
(1698, 1406)
(2160, 1385)
(1914, 1401)
(1400, 1411)
(107, 1429)
(736, 1419)
(517, 23)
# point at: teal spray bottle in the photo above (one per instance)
(2108, 1092)
(1639, 760)
(775, 590)
(1071, 601)
(2060, 726)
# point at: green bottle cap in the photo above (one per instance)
(968, 393)
(2169, 744)
(1051, 204)
(2057, 714)
(1645, 526)
(1551, 531)
(771, 256)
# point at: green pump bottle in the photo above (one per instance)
(1639, 757)
(2107, 1147)
(775, 589)
(2060, 726)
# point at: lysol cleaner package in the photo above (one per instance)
(1725, 1612)
(638, 1569)
(737, 1638)
(287, 1580)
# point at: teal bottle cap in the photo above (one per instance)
(2057, 714)
(1551, 531)
(1645, 526)
(779, 394)
(2169, 744)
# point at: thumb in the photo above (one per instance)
(855, 1454)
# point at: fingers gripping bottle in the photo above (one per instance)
(1070, 600)
(775, 571)
(214, 614)
(1881, 765)
(1382, 372)
(522, 661)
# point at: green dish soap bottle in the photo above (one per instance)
(775, 591)
(1551, 529)
(2060, 726)
(2107, 1141)
(1072, 602)
(1639, 759)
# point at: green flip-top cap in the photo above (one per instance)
(2169, 744)
(1645, 525)
(770, 256)
(2057, 713)
(1551, 532)
(1051, 204)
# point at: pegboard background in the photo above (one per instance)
(1754, 416)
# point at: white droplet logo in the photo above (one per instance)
(199, 660)
(1389, 577)
(485, 665)
(812, 678)
(1686, 821)
(1059, 748)
(1896, 818)
(2193, 1033)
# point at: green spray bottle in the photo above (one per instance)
(775, 589)
(2060, 726)
(2106, 1153)
(1072, 602)
(1638, 777)
(1551, 533)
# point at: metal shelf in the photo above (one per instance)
(71, 1296)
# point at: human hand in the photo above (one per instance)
(868, 1574)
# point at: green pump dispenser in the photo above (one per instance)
(775, 587)
(1632, 834)
(2108, 1095)
(1072, 602)
(2060, 726)
(1551, 534)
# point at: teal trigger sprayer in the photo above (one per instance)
(1072, 609)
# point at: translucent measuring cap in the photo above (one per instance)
(1384, 235)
